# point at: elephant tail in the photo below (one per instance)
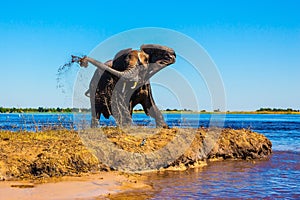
(87, 93)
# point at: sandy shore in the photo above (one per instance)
(96, 186)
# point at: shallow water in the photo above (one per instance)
(274, 178)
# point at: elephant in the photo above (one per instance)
(118, 85)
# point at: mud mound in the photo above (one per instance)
(27, 155)
(216, 144)
(206, 144)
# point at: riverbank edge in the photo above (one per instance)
(41, 157)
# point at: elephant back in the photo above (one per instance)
(119, 60)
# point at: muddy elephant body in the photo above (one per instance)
(117, 95)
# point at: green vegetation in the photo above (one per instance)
(31, 110)
(276, 110)
(168, 110)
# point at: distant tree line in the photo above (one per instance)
(67, 110)
(277, 110)
(39, 109)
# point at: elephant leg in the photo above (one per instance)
(96, 107)
(95, 113)
(121, 111)
(151, 109)
(94, 103)
(122, 116)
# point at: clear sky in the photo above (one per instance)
(255, 45)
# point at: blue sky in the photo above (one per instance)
(254, 44)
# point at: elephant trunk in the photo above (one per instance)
(129, 75)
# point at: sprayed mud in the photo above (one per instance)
(64, 69)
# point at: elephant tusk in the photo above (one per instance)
(124, 85)
(87, 93)
(134, 85)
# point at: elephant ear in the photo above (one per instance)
(118, 62)
(158, 52)
(159, 57)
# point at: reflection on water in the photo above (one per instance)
(276, 177)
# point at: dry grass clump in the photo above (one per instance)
(30, 155)
(140, 140)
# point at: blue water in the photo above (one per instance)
(274, 178)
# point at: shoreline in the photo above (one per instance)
(90, 186)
